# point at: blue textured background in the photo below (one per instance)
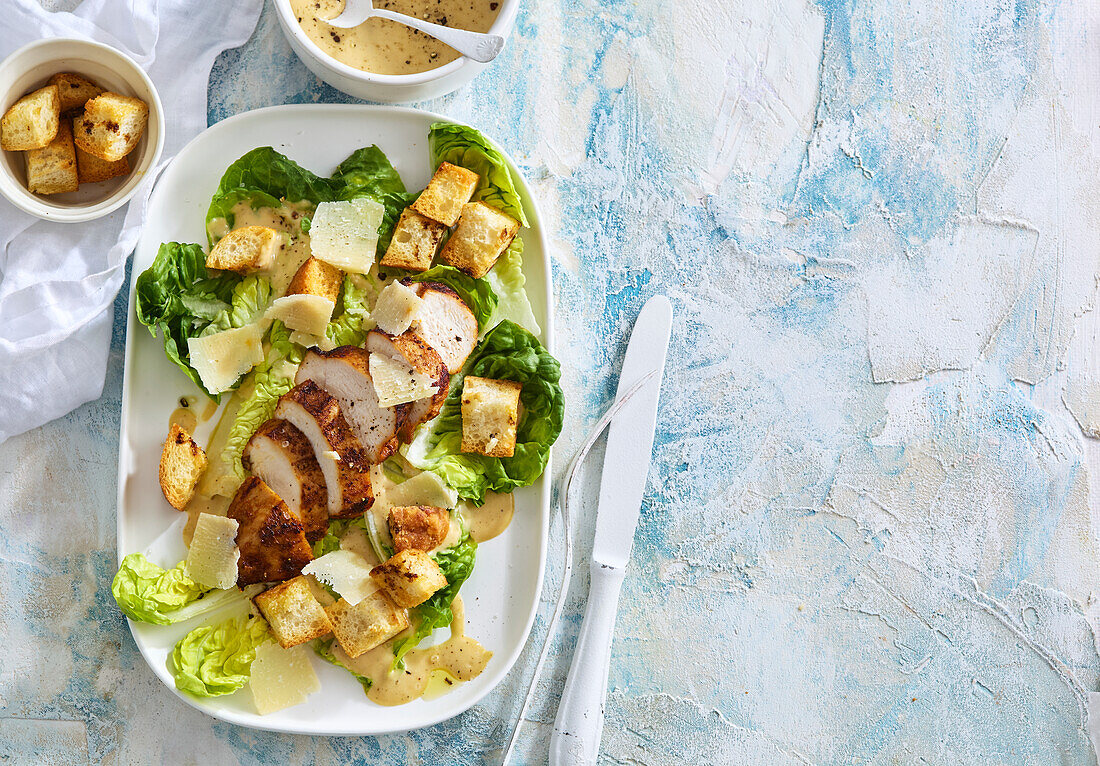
(829, 569)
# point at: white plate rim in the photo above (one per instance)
(543, 485)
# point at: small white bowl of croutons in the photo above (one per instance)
(81, 126)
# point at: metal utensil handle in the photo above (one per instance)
(476, 45)
(579, 724)
(564, 506)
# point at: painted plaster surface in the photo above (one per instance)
(871, 529)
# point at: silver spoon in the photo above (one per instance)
(478, 46)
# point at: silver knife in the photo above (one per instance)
(579, 723)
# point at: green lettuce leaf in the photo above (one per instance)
(477, 293)
(147, 593)
(463, 146)
(249, 300)
(368, 173)
(177, 299)
(271, 379)
(457, 563)
(507, 282)
(351, 326)
(507, 352)
(323, 648)
(221, 207)
(217, 659)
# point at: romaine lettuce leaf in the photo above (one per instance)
(477, 293)
(177, 299)
(507, 281)
(271, 379)
(457, 563)
(351, 326)
(216, 659)
(264, 177)
(507, 352)
(147, 593)
(249, 300)
(463, 146)
(368, 173)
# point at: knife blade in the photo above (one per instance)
(579, 722)
(630, 437)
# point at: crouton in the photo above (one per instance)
(271, 538)
(450, 188)
(418, 527)
(370, 623)
(415, 241)
(315, 277)
(111, 125)
(294, 615)
(31, 122)
(247, 249)
(490, 414)
(482, 236)
(409, 577)
(182, 462)
(91, 169)
(74, 91)
(52, 169)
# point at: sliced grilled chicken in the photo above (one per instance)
(413, 350)
(445, 323)
(311, 410)
(344, 374)
(272, 542)
(282, 456)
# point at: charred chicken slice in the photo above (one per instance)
(343, 461)
(282, 456)
(344, 373)
(445, 323)
(414, 351)
(272, 542)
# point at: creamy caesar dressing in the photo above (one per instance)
(459, 658)
(491, 519)
(386, 47)
(287, 218)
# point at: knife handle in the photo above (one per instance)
(579, 723)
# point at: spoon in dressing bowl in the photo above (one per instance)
(479, 46)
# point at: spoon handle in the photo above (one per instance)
(479, 46)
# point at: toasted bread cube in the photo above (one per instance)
(91, 169)
(32, 121)
(415, 241)
(370, 623)
(409, 577)
(482, 236)
(490, 415)
(111, 125)
(420, 527)
(74, 91)
(52, 169)
(315, 277)
(450, 188)
(247, 249)
(294, 615)
(182, 462)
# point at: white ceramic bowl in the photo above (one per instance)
(388, 88)
(28, 69)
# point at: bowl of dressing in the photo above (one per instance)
(381, 60)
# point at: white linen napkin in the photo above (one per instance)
(57, 280)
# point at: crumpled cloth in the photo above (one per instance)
(58, 280)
